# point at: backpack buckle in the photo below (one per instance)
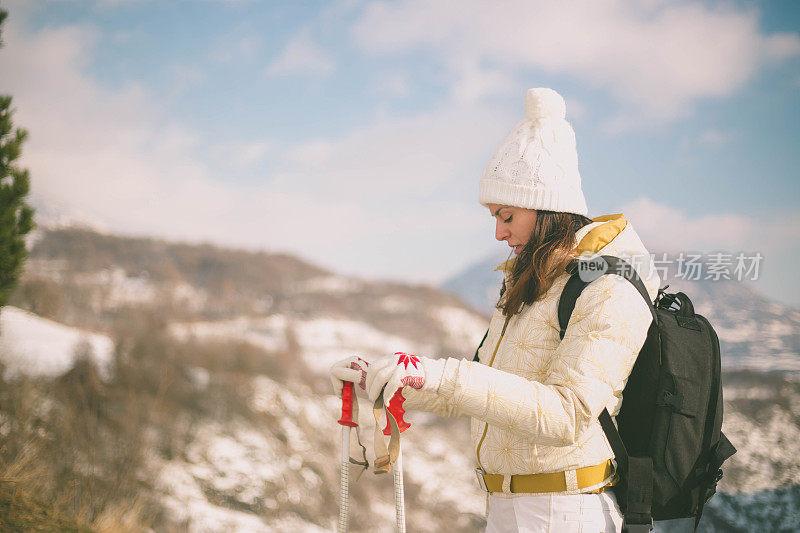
(637, 528)
(669, 399)
(664, 300)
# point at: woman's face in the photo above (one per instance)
(513, 224)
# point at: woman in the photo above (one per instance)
(534, 399)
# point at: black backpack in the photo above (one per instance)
(669, 447)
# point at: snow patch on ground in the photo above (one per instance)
(122, 288)
(232, 461)
(768, 447)
(329, 285)
(443, 472)
(235, 464)
(751, 393)
(185, 501)
(268, 332)
(396, 304)
(189, 296)
(742, 332)
(271, 397)
(35, 346)
(322, 341)
(462, 328)
(765, 362)
(238, 463)
(327, 340)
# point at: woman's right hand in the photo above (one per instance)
(350, 369)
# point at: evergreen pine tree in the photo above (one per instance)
(16, 217)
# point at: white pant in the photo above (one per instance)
(581, 513)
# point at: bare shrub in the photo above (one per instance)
(40, 296)
(70, 442)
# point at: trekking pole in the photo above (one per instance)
(344, 478)
(395, 409)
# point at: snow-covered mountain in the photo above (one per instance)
(231, 350)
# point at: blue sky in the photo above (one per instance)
(353, 133)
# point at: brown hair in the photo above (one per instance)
(541, 260)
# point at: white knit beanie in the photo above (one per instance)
(536, 167)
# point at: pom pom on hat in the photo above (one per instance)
(536, 166)
(544, 103)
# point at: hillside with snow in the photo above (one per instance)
(250, 338)
(205, 371)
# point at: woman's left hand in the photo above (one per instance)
(393, 372)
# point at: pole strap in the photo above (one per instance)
(385, 457)
(363, 463)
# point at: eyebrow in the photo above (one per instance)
(496, 213)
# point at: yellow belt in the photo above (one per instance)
(551, 482)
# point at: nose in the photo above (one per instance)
(501, 232)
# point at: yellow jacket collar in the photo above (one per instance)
(598, 236)
(592, 237)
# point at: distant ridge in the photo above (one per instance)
(755, 332)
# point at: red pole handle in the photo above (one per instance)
(347, 405)
(395, 407)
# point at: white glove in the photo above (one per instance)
(394, 372)
(350, 369)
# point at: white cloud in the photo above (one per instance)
(250, 153)
(386, 199)
(656, 58)
(244, 45)
(115, 3)
(113, 156)
(401, 182)
(302, 56)
(371, 202)
(780, 46)
(397, 154)
(713, 137)
(393, 84)
(668, 229)
(775, 236)
(185, 77)
(576, 109)
(474, 82)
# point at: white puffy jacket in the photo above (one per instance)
(534, 400)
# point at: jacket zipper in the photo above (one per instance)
(491, 361)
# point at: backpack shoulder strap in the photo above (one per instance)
(575, 286)
(480, 345)
(566, 305)
(638, 471)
